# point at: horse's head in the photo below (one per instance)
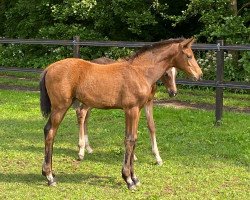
(168, 79)
(186, 61)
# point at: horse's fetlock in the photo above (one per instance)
(125, 173)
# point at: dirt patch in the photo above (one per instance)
(13, 77)
(205, 106)
(17, 88)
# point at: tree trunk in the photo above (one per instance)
(234, 7)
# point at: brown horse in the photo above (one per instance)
(168, 79)
(124, 85)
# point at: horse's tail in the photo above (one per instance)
(45, 103)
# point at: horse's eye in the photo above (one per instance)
(189, 56)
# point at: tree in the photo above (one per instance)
(220, 20)
(131, 20)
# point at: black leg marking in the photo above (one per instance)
(136, 181)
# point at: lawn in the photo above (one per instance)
(201, 161)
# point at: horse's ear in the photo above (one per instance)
(188, 42)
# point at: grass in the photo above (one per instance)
(29, 83)
(17, 80)
(207, 96)
(201, 161)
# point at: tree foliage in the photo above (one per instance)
(131, 20)
(219, 20)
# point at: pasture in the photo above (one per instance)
(201, 161)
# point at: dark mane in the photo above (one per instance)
(155, 45)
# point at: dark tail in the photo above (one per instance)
(45, 103)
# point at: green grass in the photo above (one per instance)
(26, 75)
(28, 80)
(201, 161)
(207, 96)
(19, 82)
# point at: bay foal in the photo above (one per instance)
(125, 85)
(168, 79)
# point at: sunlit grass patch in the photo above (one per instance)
(201, 161)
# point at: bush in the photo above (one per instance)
(232, 72)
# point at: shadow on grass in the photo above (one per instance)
(183, 142)
(76, 178)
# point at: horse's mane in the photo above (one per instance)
(153, 46)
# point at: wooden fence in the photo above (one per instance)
(219, 47)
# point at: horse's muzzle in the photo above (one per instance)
(197, 78)
(172, 93)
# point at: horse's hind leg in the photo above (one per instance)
(151, 126)
(82, 114)
(87, 145)
(49, 134)
(132, 119)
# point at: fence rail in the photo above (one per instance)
(205, 83)
(117, 44)
(219, 47)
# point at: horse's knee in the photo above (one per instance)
(131, 139)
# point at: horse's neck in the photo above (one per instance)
(154, 64)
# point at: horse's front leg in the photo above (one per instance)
(151, 126)
(81, 116)
(132, 119)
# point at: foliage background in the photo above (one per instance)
(127, 20)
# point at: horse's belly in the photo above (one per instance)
(107, 101)
(115, 95)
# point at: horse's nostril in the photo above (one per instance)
(200, 78)
(172, 93)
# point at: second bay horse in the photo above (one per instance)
(168, 79)
(123, 85)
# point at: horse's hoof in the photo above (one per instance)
(52, 183)
(160, 162)
(80, 157)
(89, 150)
(132, 186)
(136, 182)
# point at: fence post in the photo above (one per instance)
(76, 47)
(219, 79)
